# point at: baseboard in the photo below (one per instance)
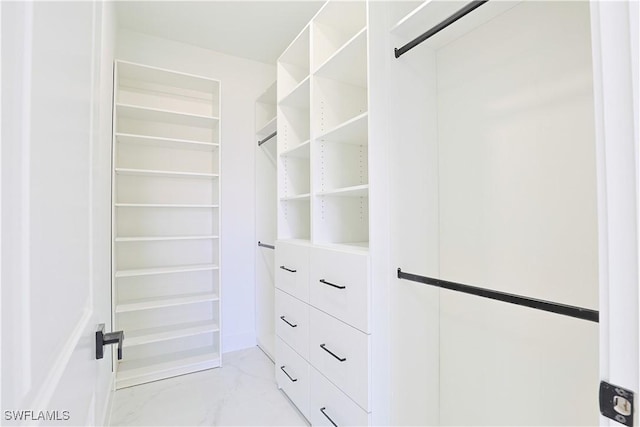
(238, 342)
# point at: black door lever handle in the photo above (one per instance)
(103, 339)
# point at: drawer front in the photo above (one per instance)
(341, 353)
(339, 285)
(326, 402)
(292, 322)
(292, 269)
(292, 376)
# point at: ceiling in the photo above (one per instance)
(258, 30)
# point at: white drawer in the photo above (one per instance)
(339, 285)
(292, 322)
(326, 402)
(341, 353)
(292, 376)
(292, 269)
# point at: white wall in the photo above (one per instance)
(242, 82)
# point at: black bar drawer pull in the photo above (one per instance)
(328, 417)
(287, 269)
(103, 339)
(288, 323)
(293, 380)
(332, 284)
(324, 347)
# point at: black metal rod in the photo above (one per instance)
(293, 380)
(287, 269)
(552, 307)
(324, 347)
(332, 284)
(328, 417)
(267, 138)
(288, 323)
(441, 26)
(264, 245)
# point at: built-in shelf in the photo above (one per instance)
(300, 197)
(167, 174)
(300, 151)
(165, 270)
(128, 138)
(136, 371)
(354, 191)
(268, 128)
(299, 96)
(163, 238)
(160, 302)
(158, 115)
(169, 78)
(351, 246)
(161, 205)
(349, 63)
(165, 333)
(353, 131)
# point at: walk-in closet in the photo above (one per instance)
(320, 213)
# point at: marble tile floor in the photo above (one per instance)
(241, 393)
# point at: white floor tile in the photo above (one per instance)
(241, 393)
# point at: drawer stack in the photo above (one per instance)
(323, 335)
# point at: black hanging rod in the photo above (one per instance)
(566, 310)
(439, 27)
(267, 138)
(264, 245)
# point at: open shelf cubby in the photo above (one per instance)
(293, 65)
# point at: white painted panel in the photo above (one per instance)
(291, 364)
(517, 158)
(338, 408)
(502, 364)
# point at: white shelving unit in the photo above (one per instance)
(166, 186)
(322, 252)
(266, 194)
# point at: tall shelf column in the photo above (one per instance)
(166, 222)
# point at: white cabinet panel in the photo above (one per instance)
(339, 285)
(328, 406)
(292, 269)
(341, 353)
(292, 322)
(292, 376)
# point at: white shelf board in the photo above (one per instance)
(347, 246)
(355, 191)
(353, 131)
(300, 151)
(162, 205)
(165, 270)
(167, 174)
(268, 128)
(160, 302)
(165, 333)
(163, 238)
(137, 371)
(166, 116)
(128, 138)
(300, 197)
(432, 12)
(177, 79)
(299, 96)
(349, 63)
(269, 95)
(305, 242)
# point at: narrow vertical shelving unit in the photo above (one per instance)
(340, 125)
(266, 217)
(166, 222)
(294, 185)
